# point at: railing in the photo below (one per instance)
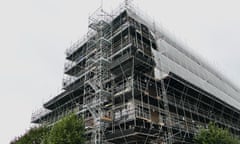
(39, 113)
(121, 59)
(73, 82)
(123, 113)
(99, 17)
(68, 65)
(122, 87)
(69, 81)
(79, 43)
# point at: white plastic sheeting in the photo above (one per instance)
(173, 56)
(192, 74)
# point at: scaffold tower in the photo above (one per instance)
(134, 83)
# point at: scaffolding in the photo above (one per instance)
(133, 84)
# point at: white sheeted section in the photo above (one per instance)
(173, 56)
(166, 64)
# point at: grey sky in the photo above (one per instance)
(35, 33)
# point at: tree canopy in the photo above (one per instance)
(33, 136)
(68, 130)
(214, 135)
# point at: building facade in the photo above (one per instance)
(132, 83)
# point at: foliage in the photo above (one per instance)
(69, 130)
(33, 136)
(214, 135)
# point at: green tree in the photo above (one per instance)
(33, 136)
(69, 130)
(214, 135)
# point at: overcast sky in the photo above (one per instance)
(34, 35)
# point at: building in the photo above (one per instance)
(134, 84)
